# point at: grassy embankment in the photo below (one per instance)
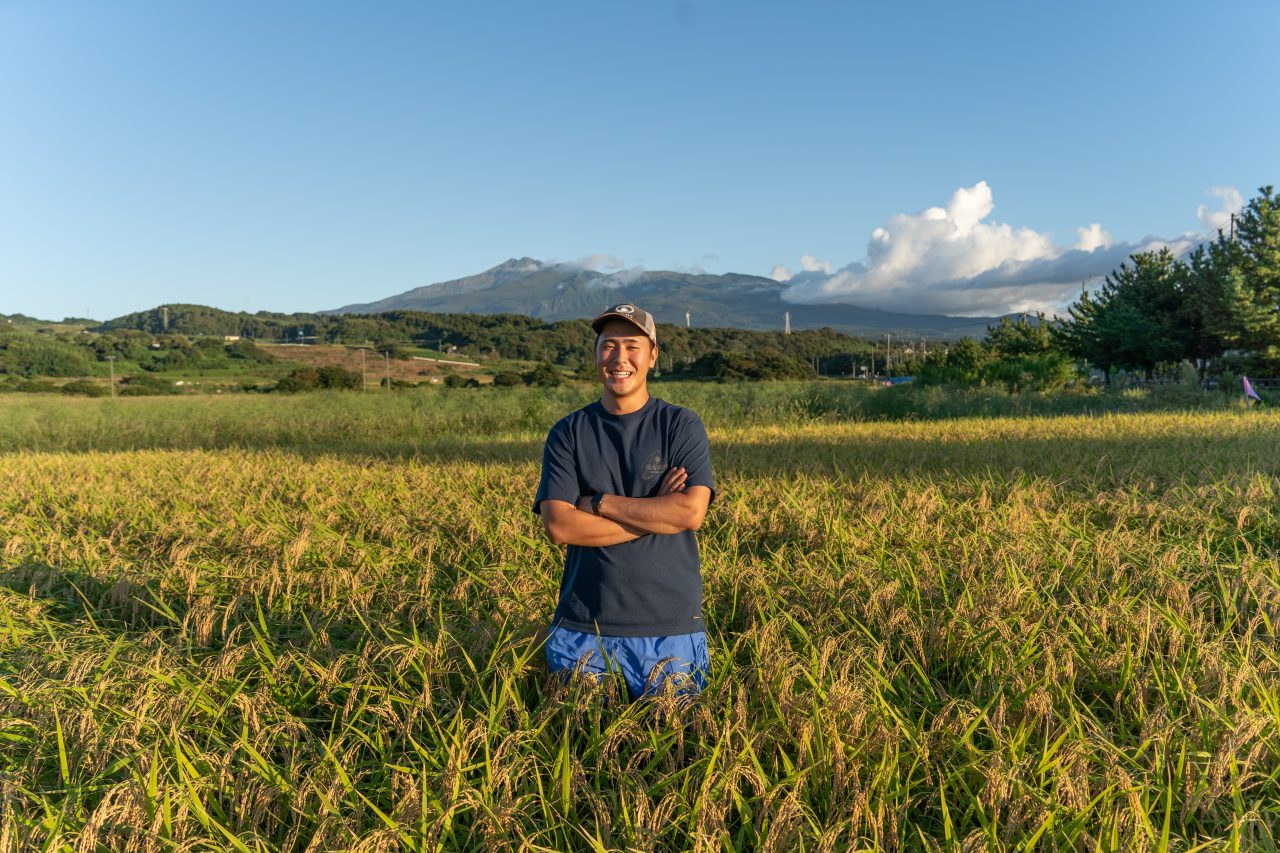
(280, 623)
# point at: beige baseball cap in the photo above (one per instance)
(638, 317)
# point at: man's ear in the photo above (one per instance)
(653, 355)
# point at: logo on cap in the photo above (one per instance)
(625, 309)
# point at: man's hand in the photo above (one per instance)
(672, 481)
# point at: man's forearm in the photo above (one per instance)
(567, 525)
(664, 514)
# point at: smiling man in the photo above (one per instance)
(625, 483)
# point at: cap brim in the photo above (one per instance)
(604, 318)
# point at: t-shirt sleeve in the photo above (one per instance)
(691, 451)
(559, 471)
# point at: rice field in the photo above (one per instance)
(220, 630)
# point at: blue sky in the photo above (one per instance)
(301, 156)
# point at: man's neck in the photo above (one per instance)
(633, 402)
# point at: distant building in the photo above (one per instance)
(231, 338)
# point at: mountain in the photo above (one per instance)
(564, 292)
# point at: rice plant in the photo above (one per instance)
(237, 631)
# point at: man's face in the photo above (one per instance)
(624, 355)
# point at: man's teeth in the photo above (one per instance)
(620, 373)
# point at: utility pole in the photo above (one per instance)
(387, 355)
(888, 357)
(786, 319)
(111, 360)
(686, 319)
(364, 381)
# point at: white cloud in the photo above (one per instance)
(809, 263)
(954, 260)
(1214, 221)
(1092, 238)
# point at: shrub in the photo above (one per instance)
(145, 386)
(248, 350)
(545, 375)
(336, 377)
(508, 380)
(394, 349)
(85, 388)
(36, 386)
(40, 356)
(453, 380)
(311, 378)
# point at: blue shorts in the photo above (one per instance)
(648, 664)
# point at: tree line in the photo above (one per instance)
(1223, 297)
(1217, 309)
(566, 343)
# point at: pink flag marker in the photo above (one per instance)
(1248, 390)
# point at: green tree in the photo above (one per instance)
(1012, 339)
(1025, 356)
(962, 364)
(767, 363)
(1257, 239)
(1132, 320)
(1218, 309)
(1086, 335)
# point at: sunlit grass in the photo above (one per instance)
(993, 633)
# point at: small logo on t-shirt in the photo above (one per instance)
(654, 467)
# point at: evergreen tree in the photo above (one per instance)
(1131, 321)
(1217, 308)
(1257, 238)
(1025, 356)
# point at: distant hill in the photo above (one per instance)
(24, 320)
(554, 292)
(490, 337)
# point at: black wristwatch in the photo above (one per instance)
(595, 502)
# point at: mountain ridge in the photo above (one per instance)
(557, 291)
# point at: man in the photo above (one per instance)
(625, 483)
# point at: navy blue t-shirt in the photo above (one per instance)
(651, 586)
